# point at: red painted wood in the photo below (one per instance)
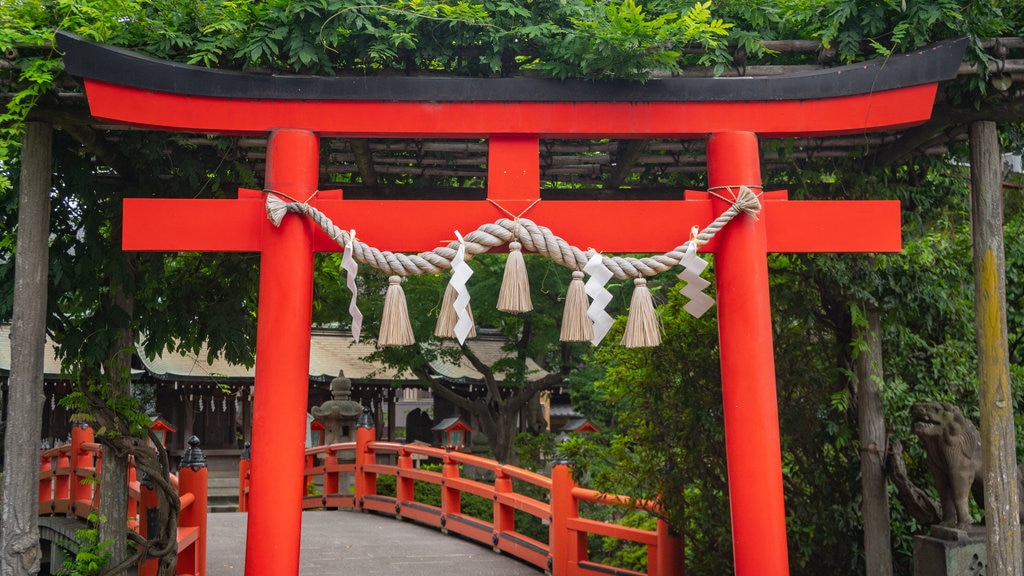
(284, 317)
(655, 226)
(194, 481)
(148, 501)
(562, 544)
(753, 452)
(513, 171)
(848, 114)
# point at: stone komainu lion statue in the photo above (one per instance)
(953, 446)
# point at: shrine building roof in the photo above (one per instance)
(330, 351)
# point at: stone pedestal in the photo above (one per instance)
(950, 552)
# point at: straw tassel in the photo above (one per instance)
(514, 296)
(395, 328)
(576, 325)
(642, 329)
(447, 318)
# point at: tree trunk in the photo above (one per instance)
(998, 442)
(20, 537)
(113, 506)
(503, 444)
(114, 475)
(871, 429)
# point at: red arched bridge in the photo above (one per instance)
(384, 478)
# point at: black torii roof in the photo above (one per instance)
(933, 63)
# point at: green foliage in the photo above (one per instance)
(430, 494)
(536, 450)
(87, 555)
(96, 395)
(622, 553)
(626, 41)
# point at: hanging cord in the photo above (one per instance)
(533, 237)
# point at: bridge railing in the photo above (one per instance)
(346, 475)
(69, 485)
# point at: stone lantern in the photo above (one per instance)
(339, 415)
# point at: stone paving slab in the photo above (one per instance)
(336, 543)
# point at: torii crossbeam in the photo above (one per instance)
(513, 115)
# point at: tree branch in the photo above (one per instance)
(420, 371)
(523, 395)
(493, 389)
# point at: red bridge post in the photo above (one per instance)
(405, 487)
(133, 504)
(566, 547)
(671, 559)
(504, 515)
(243, 478)
(62, 480)
(149, 509)
(366, 482)
(331, 482)
(193, 478)
(80, 493)
(451, 498)
(46, 495)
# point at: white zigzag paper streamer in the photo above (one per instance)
(348, 263)
(693, 265)
(460, 274)
(599, 295)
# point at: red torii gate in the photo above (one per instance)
(513, 114)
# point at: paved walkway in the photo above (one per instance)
(336, 543)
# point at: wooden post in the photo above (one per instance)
(753, 447)
(405, 487)
(243, 478)
(451, 498)
(366, 482)
(565, 547)
(671, 558)
(392, 417)
(193, 478)
(284, 314)
(867, 366)
(133, 505)
(46, 495)
(62, 483)
(149, 517)
(20, 531)
(503, 515)
(331, 483)
(998, 443)
(81, 492)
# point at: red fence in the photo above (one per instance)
(69, 485)
(555, 501)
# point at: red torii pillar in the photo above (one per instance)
(749, 394)
(213, 102)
